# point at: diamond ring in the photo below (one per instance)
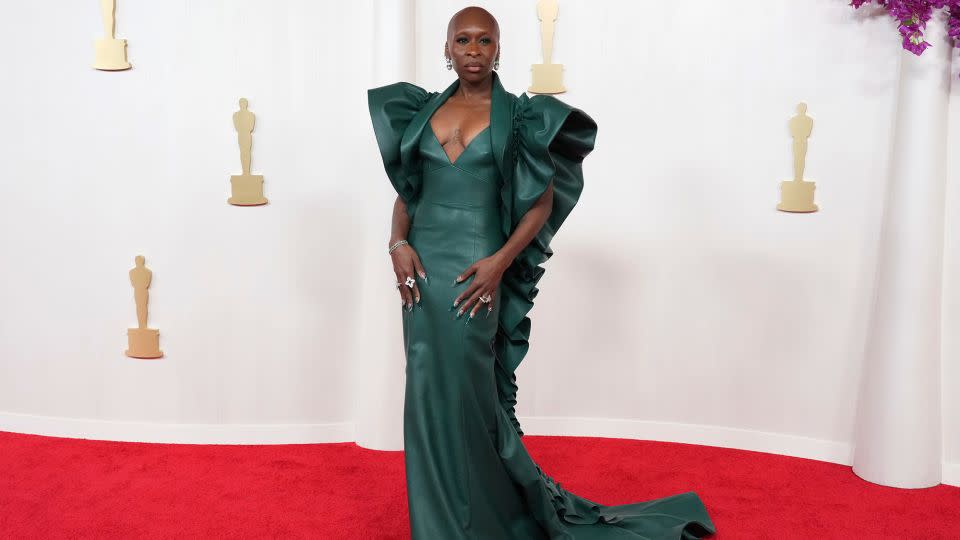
(485, 298)
(409, 282)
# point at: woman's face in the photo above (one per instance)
(473, 43)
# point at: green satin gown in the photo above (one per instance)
(468, 473)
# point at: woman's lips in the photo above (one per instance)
(474, 68)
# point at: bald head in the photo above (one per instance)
(470, 17)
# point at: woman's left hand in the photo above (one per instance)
(487, 273)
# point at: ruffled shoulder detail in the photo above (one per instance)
(550, 140)
(392, 109)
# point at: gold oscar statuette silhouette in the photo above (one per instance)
(111, 53)
(142, 342)
(547, 77)
(246, 189)
(797, 195)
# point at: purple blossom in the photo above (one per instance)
(913, 16)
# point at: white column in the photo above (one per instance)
(379, 369)
(898, 432)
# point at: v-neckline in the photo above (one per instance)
(465, 147)
(453, 88)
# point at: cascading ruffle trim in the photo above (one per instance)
(549, 141)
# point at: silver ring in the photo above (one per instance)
(409, 282)
(485, 298)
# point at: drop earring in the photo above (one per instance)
(496, 63)
(449, 63)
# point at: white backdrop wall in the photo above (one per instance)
(679, 305)
(256, 306)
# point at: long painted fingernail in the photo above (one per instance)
(451, 308)
(470, 318)
(425, 279)
(454, 284)
(488, 314)
(409, 307)
(417, 299)
(459, 313)
(423, 275)
(455, 303)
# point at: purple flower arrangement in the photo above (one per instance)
(913, 16)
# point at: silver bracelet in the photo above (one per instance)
(396, 244)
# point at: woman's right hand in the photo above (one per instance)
(406, 262)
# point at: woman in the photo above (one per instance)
(484, 179)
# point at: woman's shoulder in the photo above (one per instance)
(399, 92)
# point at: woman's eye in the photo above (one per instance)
(462, 40)
(485, 41)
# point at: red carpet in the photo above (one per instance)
(54, 487)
